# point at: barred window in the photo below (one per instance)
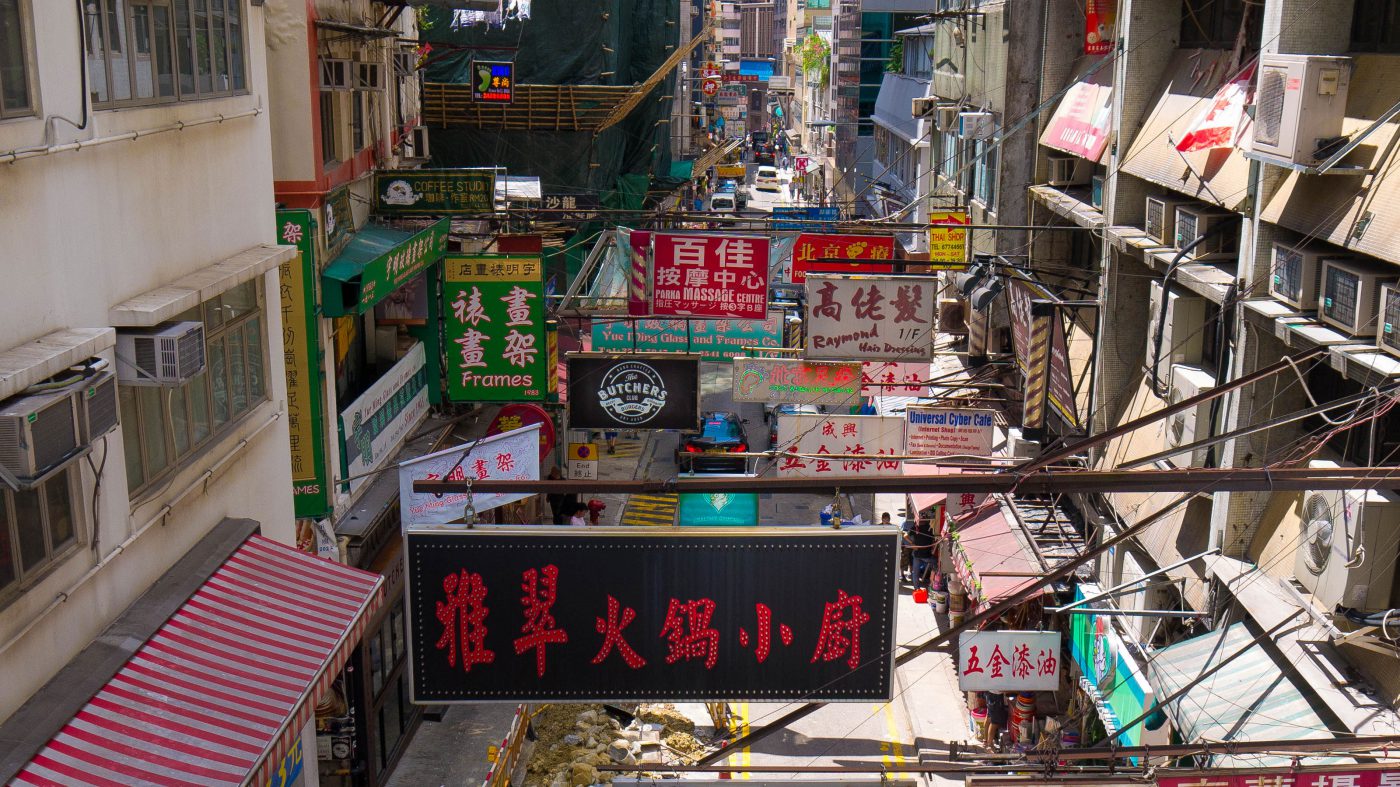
(38, 527)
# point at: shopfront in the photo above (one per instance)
(1111, 681)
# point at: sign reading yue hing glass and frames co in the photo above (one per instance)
(634, 392)
(493, 82)
(377, 422)
(494, 326)
(301, 349)
(778, 380)
(870, 317)
(434, 191)
(711, 339)
(621, 614)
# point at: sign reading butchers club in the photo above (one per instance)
(624, 614)
(634, 392)
(871, 317)
(710, 276)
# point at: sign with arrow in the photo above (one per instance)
(947, 240)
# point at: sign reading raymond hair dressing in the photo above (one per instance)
(634, 392)
(871, 317)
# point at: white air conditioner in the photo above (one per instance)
(418, 141)
(1181, 330)
(1299, 105)
(168, 354)
(1348, 546)
(1192, 424)
(336, 74)
(38, 432)
(1069, 171)
(97, 406)
(1350, 295)
(1388, 333)
(1295, 273)
(1160, 218)
(923, 106)
(1196, 222)
(946, 118)
(976, 125)
(369, 76)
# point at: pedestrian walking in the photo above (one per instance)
(920, 541)
(611, 437)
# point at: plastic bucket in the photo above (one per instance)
(979, 722)
(920, 596)
(940, 602)
(1025, 704)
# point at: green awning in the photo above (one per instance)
(682, 170)
(376, 261)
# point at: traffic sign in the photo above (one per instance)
(709, 87)
(583, 461)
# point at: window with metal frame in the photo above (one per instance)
(985, 174)
(1218, 24)
(16, 97)
(38, 527)
(156, 51)
(163, 426)
(1375, 26)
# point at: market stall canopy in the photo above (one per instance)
(376, 261)
(991, 558)
(1080, 125)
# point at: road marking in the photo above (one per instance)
(650, 510)
(745, 756)
(893, 736)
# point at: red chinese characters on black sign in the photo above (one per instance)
(608, 615)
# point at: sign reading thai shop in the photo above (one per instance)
(857, 254)
(509, 456)
(584, 615)
(710, 276)
(870, 317)
(652, 391)
(1009, 661)
(1060, 392)
(826, 446)
(377, 422)
(494, 329)
(778, 380)
(711, 339)
(947, 239)
(493, 82)
(434, 191)
(948, 431)
(301, 350)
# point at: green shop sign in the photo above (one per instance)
(377, 261)
(302, 351)
(494, 327)
(717, 509)
(711, 339)
(399, 192)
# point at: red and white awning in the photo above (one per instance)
(222, 691)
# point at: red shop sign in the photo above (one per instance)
(710, 276)
(810, 248)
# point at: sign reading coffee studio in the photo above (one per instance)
(634, 392)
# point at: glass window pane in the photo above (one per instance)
(184, 46)
(201, 46)
(199, 407)
(117, 50)
(218, 376)
(131, 437)
(213, 315)
(217, 41)
(14, 90)
(240, 300)
(396, 625)
(252, 339)
(141, 58)
(357, 121)
(235, 44)
(164, 67)
(327, 126)
(180, 420)
(237, 373)
(58, 492)
(30, 519)
(96, 54)
(7, 547)
(153, 428)
(376, 665)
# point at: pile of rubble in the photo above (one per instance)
(573, 740)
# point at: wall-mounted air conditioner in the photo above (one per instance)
(1193, 222)
(38, 432)
(1181, 330)
(1350, 295)
(1069, 171)
(418, 141)
(168, 354)
(1295, 273)
(1160, 218)
(1348, 546)
(1193, 424)
(946, 118)
(976, 125)
(1388, 333)
(1299, 105)
(97, 406)
(1096, 191)
(337, 74)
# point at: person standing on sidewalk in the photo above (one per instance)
(920, 541)
(561, 504)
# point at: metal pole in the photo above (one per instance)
(1113, 591)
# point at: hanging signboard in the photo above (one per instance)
(718, 509)
(435, 191)
(710, 276)
(875, 317)
(1009, 661)
(583, 461)
(712, 340)
(867, 254)
(652, 391)
(1082, 122)
(858, 441)
(301, 350)
(570, 207)
(376, 423)
(1297, 776)
(1100, 18)
(1060, 394)
(337, 221)
(1109, 672)
(520, 416)
(947, 240)
(812, 218)
(778, 380)
(493, 329)
(891, 378)
(510, 456)
(493, 82)
(545, 614)
(709, 87)
(948, 431)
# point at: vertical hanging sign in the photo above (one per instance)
(1100, 17)
(493, 82)
(301, 349)
(493, 317)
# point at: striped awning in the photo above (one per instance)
(220, 693)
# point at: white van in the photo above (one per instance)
(723, 202)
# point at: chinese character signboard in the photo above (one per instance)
(948, 431)
(876, 317)
(435, 191)
(814, 254)
(814, 218)
(710, 276)
(509, 456)
(494, 326)
(583, 461)
(620, 614)
(856, 444)
(392, 268)
(570, 207)
(1060, 394)
(493, 82)
(1082, 122)
(634, 392)
(337, 222)
(947, 239)
(890, 378)
(301, 351)
(1288, 777)
(712, 340)
(377, 422)
(1009, 661)
(778, 380)
(522, 416)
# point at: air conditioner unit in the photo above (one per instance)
(1351, 295)
(336, 74)
(1348, 550)
(1195, 222)
(97, 406)
(1296, 272)
(923, 106)
(1181, 330)
(976, 125)
(418, 140)
(369, 76)
(946, 118)
(1096, 191)
(1299, 105)
(1188, 426)
(1388, 333)
(38, 432)
(168, 354)
(1160, 221)
(1069, 171)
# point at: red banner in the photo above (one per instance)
(810, 248)
(1099, 19)
(710, 276)
(1298, 777)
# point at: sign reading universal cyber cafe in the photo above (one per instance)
(494, 326)
(634, 391)
(871, 317)
(623, 614)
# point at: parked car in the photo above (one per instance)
(722, 434)
(771, 414)
(767, 180)
(724, 202)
